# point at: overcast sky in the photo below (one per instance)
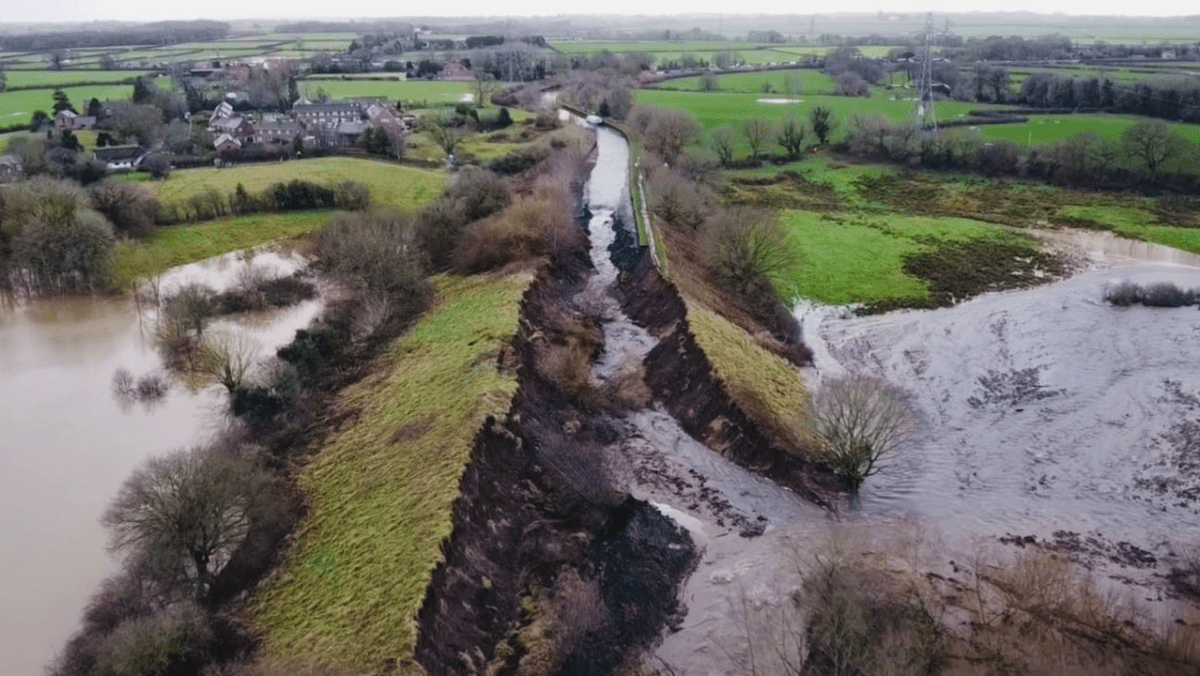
(150, 10)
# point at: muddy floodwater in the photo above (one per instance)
(66, 443)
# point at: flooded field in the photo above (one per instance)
(66, 443)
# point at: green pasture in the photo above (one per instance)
(811, 81)
(18, 106)
(664, 46)
(391, 184)
(1046, 129)
(720, 108)
(436, 92)
(383, 486)
(58, 78)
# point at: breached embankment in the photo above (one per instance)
(583, 511)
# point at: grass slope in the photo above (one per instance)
(383, 486)
(765, 386)
(391, 184)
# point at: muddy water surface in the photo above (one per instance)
(66, 443)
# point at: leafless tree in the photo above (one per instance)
(757, 132)
(669, 131)
(445, 132)
(485, 84)
(792, 133)
(191, 505)
(861, 421)
(229, 357)
(723, 142)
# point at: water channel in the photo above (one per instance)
(66, 443)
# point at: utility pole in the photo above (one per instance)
(926, 105)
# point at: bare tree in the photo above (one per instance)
(757, 132)
(192, 506)
(709, 83)
(861, 421)
(445, 131)
(228, 358)
(485, 84)
(669, 131)
(723, 143)
(792, 133)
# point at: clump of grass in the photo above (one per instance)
(382, 487)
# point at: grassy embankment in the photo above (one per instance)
(391, 185)
(383, 485)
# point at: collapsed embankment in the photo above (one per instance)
(682, 379)
(548, 570)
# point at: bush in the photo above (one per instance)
(65, 255)
(527, 230)
(352, 195)
(297, 194)
(130, 207)
(1158, 294)
(676, 200)
(439, 227)
(374, 251)
(747, 252)
(171, 641)
(1123, 294)
(479, 192)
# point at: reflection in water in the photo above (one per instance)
(66, 444)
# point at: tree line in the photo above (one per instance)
(157, 33)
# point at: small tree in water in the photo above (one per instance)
(861, 422)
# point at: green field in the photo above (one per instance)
(811, 82)
(391, 184)
(182, 244)
(435, 92)
(382, 488)
(57, 78)
(18, 106)
(860, 258)
(720, 108)
(1045, 129)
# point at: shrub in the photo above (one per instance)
(676, 200)
(530, 228)
(297, 194)
(170, 641)
(1166, 294)
(352, 195)
(1123, 294)
(479, 192)
(71, 254)
(439, 227)
(130, 207)
(374, 251)
(747, 252)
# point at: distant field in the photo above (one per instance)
(56, 78)
(18, 106)
(717, 108)
(1044, 129)
(811, 82)
(87, 138)
(383, 486)
(391, 184)
(435, 92)
(620, 47)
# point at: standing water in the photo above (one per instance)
(66, 443)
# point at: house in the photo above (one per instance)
(10, 168)
(327, 115)
(348, 132)
(277, 131)
(67, 119)
(222, 111)
(120, 158)
(238, 127)
(226, 143)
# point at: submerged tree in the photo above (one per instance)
(861, 421)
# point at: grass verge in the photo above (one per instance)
(383, 486)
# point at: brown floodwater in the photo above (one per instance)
(66, 443)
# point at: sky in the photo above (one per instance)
(153, 10)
